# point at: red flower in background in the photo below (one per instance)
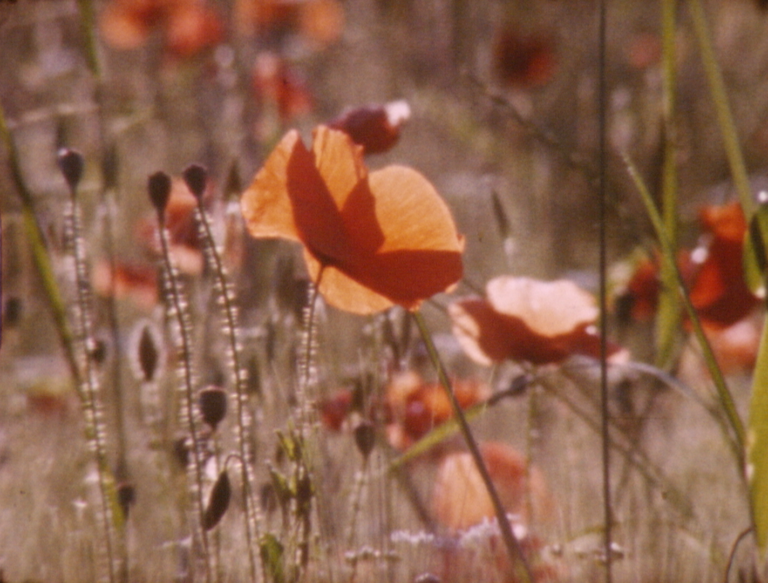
(319, 21)
(188, 26)
(377, 239)
(713, 271)
(523, 60)
(276, 84)
(718, 290)
(527, 320)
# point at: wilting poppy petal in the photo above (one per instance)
(527, 320)
(378, 240)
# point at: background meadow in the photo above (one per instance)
(309, 472)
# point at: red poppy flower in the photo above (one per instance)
(718, 290)
(375, 127)
(523, 60)
(137, 281)
(527, 320)
(370, 240)
(189, 25)
(713, 271)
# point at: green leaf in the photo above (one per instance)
(757, 446)
(755, 257)
(272, 555)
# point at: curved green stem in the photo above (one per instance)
(519, 563)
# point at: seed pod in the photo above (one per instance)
(218, 502)
(213, 405)
(71, 166)
(148, 354)
(196, 178)
(365, 438)
(126, 496)
(159, 187)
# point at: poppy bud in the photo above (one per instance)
(218, 502)
(159, 187)
(213, 405)
(196, 177)
(126, 496)
(374, 127)
(365, 438)
(148, 354)
(71, 166)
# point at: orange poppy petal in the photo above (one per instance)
(289, 200)
(266, 206)
(342, 292)
(339, 161)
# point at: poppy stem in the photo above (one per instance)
(514, 550)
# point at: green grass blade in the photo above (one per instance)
(757, 446)
(737, 439)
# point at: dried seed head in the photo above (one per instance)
(196, 178)
(126, 496)
(365, 438)
(149, 355)
(218, 502)
(71, 166)
(213, 405)
(159, 187)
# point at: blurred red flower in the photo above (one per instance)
(370, 240)
(319, 21)
(523, 60)
(188, 26)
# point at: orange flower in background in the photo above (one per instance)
(416, 406)
(527, 320)
(460, 499)
(377, 239)
(320, 21)
(189, 26)
(277, 84)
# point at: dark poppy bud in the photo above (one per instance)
(213, 405)
(374, 127)
(71, 165)
(218, 502)
(148, 354)
(126, 496)
(159, 187)
(365, 437)
(196, 178)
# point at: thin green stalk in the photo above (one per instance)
(738, 439)
(669, 313)
(514, 550)
(722, 106)
(41, 257)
